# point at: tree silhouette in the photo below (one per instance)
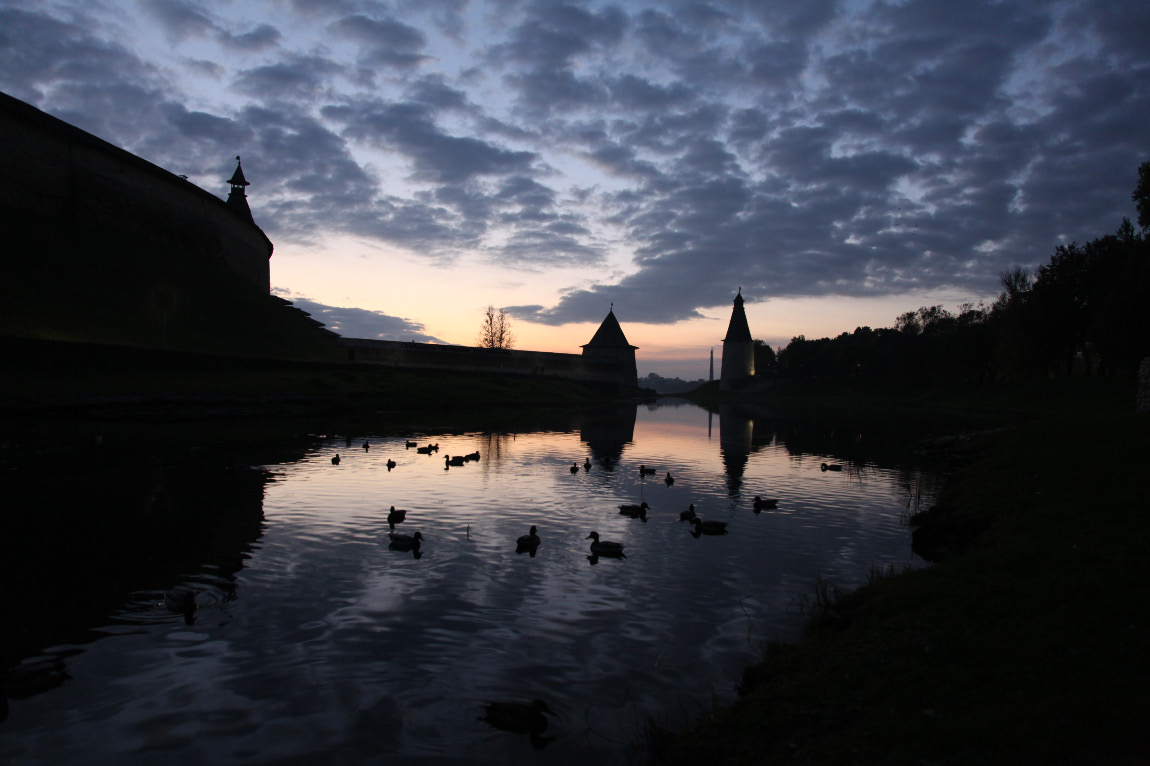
(495, 332)
(1141, 196)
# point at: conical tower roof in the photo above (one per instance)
(238, 198)
(738, 330)
(609, 334)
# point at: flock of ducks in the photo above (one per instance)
(530, 542)
(530, 717)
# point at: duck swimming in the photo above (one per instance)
(645, 471)
(574, 468)
(335, 460)
(529, 540)
(520, 717)
(635, 511)
(395, 517)
(405, 542)
(182, 601)
(669, 480)
(390, 464)
(761, 504)
(587, 464)
(688, 514)
(826, 467)
(709, 527)
(604, 547)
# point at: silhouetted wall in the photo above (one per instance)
(410, 355)
(57, 182)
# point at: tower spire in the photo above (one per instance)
(237, 197)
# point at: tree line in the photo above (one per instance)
(1084, 312)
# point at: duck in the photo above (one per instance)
(529, 540)
(761, 504)
(457, 460)
(335, 460)
(424, 450)
(709, 527)
(409, 445)
(405, 542)
(181, 601)
(604, 547)
(390, 464)
(826, 467)
(366, 445)
(574, 468)
(645, 471)
(635, 511)
(688, 514)
(520, 717)
(587, 464)
(472, 456)
(395, 517)
(669, 479)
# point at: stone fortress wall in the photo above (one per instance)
(52, 172)
(409, 355)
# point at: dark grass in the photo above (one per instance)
(1028, 647)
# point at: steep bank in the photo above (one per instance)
(1028, 647)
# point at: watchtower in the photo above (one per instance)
(738, 349)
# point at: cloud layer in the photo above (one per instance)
(678, 148)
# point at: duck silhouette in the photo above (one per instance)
(605, 547)
(708, 527)
(527, 543)
(635, 511)
(335, 460)
(574, 468)
(390, 464)
(760, 504)
(688, 514)
(521, 718)
(587, 464)
(408, 445)
(395, 517)
(670, 479)
(645, 471)
(405, 542)
(826, 467)
(182, 601)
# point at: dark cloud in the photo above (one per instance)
(795, 149)
(180, 20)
(360, 323)
(296, 77)
(382, 41)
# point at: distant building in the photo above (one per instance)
(738, 350)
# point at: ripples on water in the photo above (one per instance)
(329, 647)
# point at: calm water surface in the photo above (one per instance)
(313, 642)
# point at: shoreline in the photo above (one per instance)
(1024, 643)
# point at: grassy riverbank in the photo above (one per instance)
(1027, 648)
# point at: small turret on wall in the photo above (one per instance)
(738, 350)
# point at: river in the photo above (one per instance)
(311, 641)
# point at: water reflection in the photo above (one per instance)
(313, 621)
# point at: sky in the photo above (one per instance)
(415, 161)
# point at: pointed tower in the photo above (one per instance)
(238, 198)
(738, 349)
(609, 344)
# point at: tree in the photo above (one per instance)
(495, 332)
(1141, 196)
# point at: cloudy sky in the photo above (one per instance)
(417, 160)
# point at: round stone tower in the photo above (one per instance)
(738, 349)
